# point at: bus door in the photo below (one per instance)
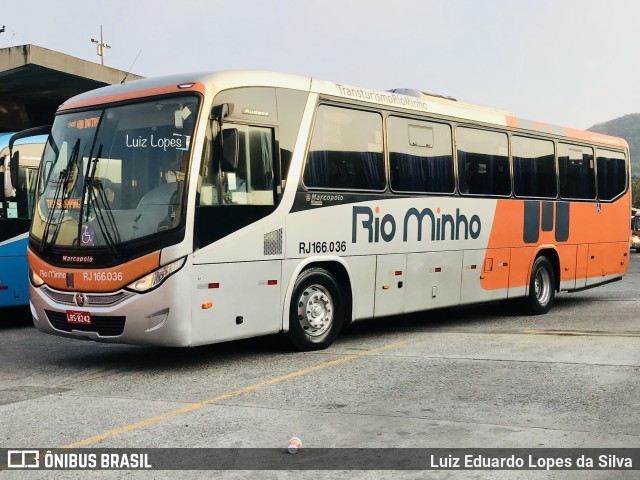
(232, 198)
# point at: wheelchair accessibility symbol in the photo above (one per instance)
(88, 235)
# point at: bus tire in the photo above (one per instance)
(542, 287)
(316, 314)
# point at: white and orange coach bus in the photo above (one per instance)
(202, 208)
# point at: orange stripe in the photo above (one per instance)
(88, 279)
(573, 133)
(119, 97)
(512, 121)
(595, 137)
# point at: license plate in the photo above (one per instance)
(78, 317)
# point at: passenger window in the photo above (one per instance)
(534, 167)
(345, 151)
(577, 172)
(483, 162)
(420, 156)
(612, 174)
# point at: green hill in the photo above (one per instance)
(627, 127)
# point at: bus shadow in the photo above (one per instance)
(503, 315)
(227, 354)
(14, 317)
(432, 319)
(168, 359)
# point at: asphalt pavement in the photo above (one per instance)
(479, 376)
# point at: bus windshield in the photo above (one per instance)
(115, 174)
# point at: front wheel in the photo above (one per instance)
(316, 313)
(542, 287)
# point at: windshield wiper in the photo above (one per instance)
(60, 188)
(100, 204)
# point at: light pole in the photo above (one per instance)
(101, 46)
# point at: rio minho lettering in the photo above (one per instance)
(416, 224)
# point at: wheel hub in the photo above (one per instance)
(542, 286)
(315, 310)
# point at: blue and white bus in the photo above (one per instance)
(20, 155)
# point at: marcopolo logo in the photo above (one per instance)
(416, 225)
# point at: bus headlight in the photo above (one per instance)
(35, 279)
(156, 277)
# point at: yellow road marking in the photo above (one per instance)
(582, 333)
(225, 396)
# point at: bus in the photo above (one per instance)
(635, 232)
(19, 160)
(201, 208)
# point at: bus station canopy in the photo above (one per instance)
(34, 81)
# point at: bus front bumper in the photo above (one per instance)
(116, 317)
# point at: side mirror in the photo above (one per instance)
(15, 163)
(230, 150)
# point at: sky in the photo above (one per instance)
(567, 62)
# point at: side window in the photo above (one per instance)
(483, 162)
(345, 151)
(577, 172)
(252, 182)
(420, 156)
(20, 205)
(612, 174)
(534, 167)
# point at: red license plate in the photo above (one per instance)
(78, 317)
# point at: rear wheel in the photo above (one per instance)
(316, 314)
(542, 287)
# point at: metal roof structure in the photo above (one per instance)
(34, 81)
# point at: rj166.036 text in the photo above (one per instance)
(307, 248)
